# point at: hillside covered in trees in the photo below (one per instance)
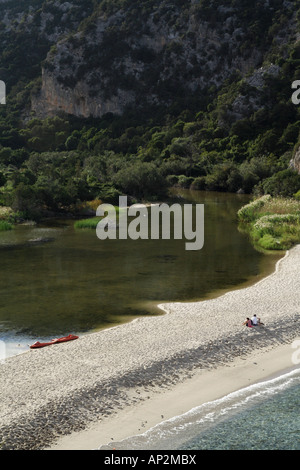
(132, 97)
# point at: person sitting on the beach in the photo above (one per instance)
(256, 321)
(248, 323)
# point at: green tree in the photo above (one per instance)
(141, 180)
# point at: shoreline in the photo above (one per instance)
(100, 380)
(205, 386)
(15, 348)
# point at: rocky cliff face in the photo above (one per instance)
(154, 52)
(54, 97)
(295, 163)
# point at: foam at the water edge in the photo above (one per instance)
(173, 433)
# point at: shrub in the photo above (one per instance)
(268, 242)
(268, 221)
(5, 212)
(283, 183)
(273, 223)
(199, 183)
(297, 195)
(185, 181)
(248, 212)
(109, 194)
(255, 170)
(4, 225)
(141, 180)
(172, 180)
(224, 177)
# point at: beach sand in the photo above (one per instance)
(203, 387)
(109, 385)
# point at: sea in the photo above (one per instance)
(263, 416)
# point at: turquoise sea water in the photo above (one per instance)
(267, 422)
(264, 416)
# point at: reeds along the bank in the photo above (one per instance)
(4, 225)
(88, 223)
(272, 223)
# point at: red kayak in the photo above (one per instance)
(53, 341)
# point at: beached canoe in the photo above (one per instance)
(53, 341)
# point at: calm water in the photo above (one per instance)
(264, 416)
(76, 283)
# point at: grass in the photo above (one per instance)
(248, 213)
(92, 223)
(273, 223)
(88, 223)
(4, 225)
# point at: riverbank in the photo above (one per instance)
(273, 223)
(108, 384)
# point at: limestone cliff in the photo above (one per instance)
(55, 97)
(295, 163)
(153, 52)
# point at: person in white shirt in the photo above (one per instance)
(256, 321)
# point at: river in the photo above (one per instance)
(72, 282)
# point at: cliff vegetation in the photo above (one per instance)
(131, 97)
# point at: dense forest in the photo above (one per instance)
(238, 135)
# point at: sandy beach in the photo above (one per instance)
(109, 385)
(203, 387)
